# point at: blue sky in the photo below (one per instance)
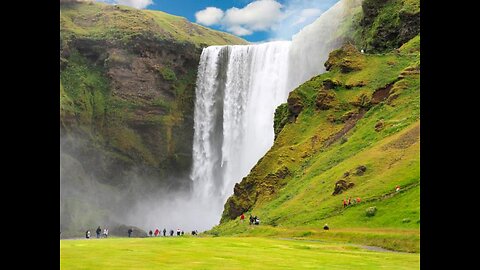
(253, 20)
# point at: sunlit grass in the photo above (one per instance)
(225, 253)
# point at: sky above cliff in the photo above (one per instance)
(253, 20)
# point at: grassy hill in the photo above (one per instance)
(359, 122)
(123, 23)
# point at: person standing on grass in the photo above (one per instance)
(98, 231)
(157, 232)
(164, 232)
(150, 233)
(358, 200)
(344, 203)
(130, 232)
(178, 232)
(87, 234)
(105, 233)
(349, 200)
(242, 217)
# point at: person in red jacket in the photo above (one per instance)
(242, 217)
(157, 232)
(344, 203)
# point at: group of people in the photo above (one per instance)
(157, 232)
(254, 220)
(98, 231)
(349, 201)
(171, 232)
(358, 200)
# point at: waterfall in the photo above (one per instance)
(238, 90)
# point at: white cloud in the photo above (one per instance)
(259, 15)
(256, 16)
(140, 4)
(209, 16)
(281, 20)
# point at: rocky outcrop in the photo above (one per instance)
(346, 59)
(341, 186)
(325, 99)
(295, 106)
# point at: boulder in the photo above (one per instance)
(360, 170)
(341, 186)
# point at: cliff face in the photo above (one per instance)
(128, 84)
(127, 91)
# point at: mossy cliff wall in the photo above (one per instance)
(127, 89)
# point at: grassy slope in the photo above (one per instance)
(303, 202)
(102, 21)
(224, 253)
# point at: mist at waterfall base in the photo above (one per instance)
(238, 89)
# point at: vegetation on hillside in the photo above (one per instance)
(359, 123)
(387, 24)
(118, 23)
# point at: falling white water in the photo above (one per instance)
(238, 90)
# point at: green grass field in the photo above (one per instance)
(225, 253)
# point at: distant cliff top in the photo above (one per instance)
(121, 23)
